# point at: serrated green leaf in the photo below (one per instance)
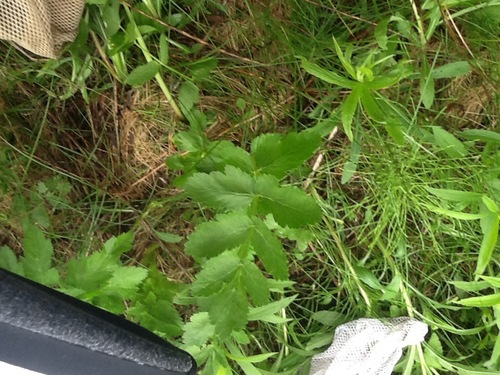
(220, 154)
(116, 246)
(270, 250)
(454, 195)
(277, 154)
(326, 75)
(289, 205)
(88, 273)
(232, 231)
(191, 141)
(255, 283)
(433, 351)
(489, 228)
(216, 272)
(152, 307)
(37, 259)
(8, 261)
(349, 109)
(228, 309)
(449, 143)
(157, 315)
(198, 330)
(435, 344)
(125, 281)
(229, 190)
(142, 74)
(226, 232)
(451, 70)
(267, 311)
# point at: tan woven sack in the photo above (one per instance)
(40, 26)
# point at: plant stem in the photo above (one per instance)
(149, 58)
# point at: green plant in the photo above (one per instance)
(101, 278)
(364, 80)
(254, 213)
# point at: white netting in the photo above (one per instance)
(368, 346)
(40, 26)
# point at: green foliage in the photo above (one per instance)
(364, 82)
(245, 190)
(101, 279)
(409, 202)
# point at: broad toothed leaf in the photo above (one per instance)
(270, 250)
(277, 154)
(289, 205)
(228, 309)
(255, 283)
(215, 273)
(225, 233)
(229, 190)
(38, 252)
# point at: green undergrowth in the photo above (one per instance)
(242, 178)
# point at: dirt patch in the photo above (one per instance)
(472, 103)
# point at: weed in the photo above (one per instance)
(220, 249)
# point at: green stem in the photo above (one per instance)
(347, 261)
(149, 58)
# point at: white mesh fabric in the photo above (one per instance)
(40, 26)
(368, 346)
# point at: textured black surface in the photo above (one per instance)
(62, 320)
